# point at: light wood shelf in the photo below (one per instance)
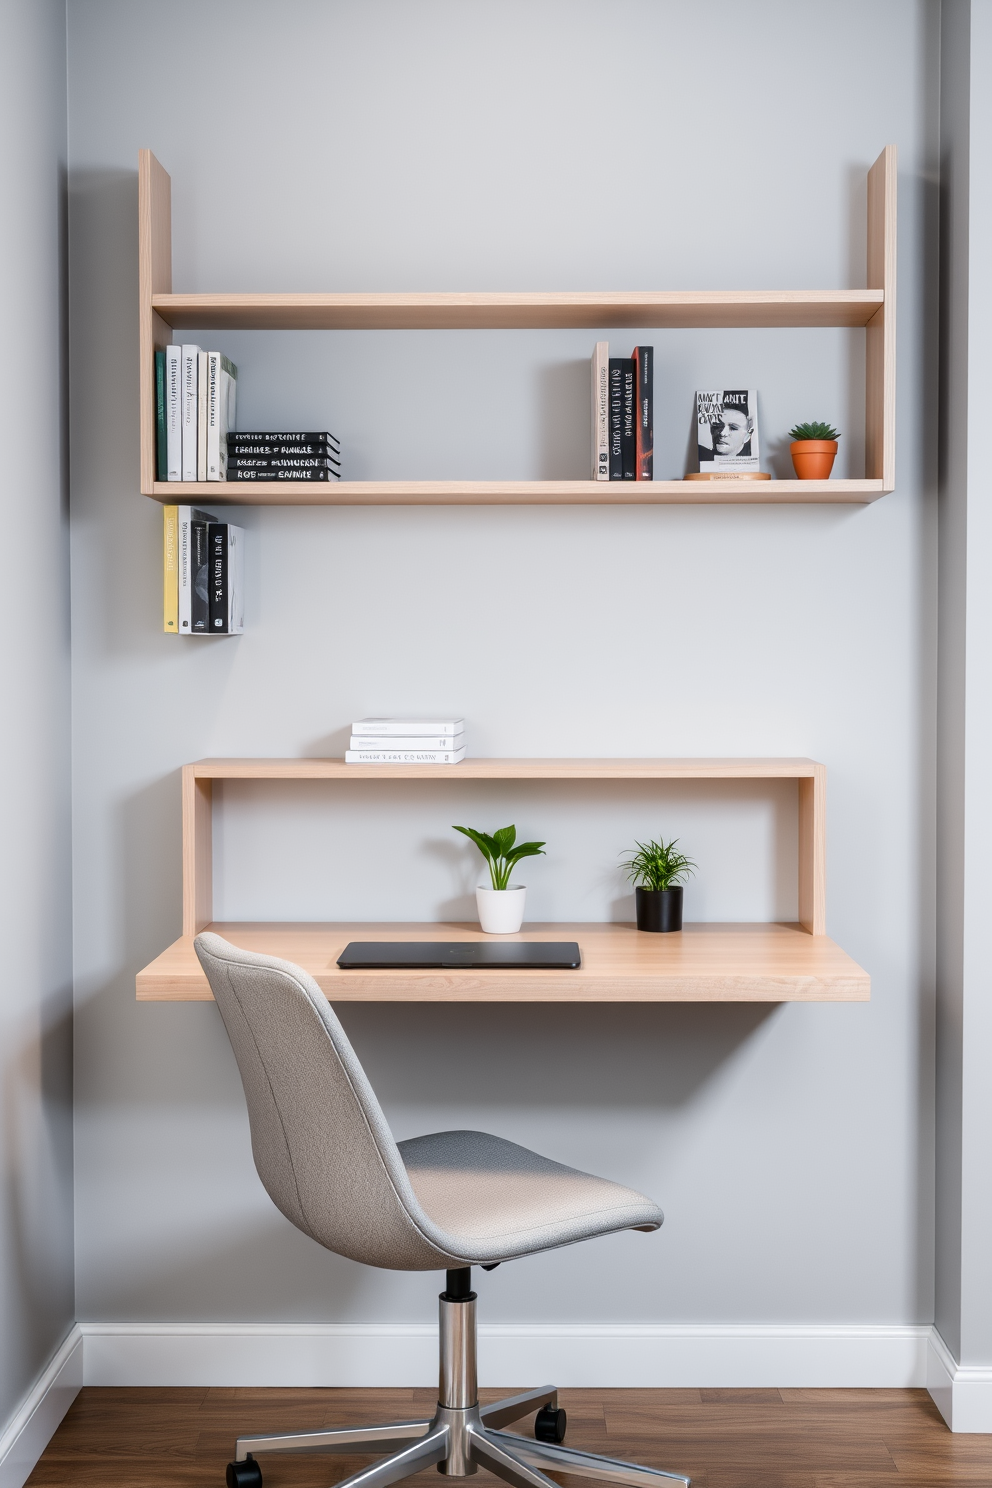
(517, 493)
(162, 311)
(771, 963)
(703, 963)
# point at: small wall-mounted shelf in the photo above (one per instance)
(161, 312)
(705, 963)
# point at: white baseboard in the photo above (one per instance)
(34, 1424)
(961, 1392)
(576, 1355)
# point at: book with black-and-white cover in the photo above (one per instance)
(226, 547)
(616, 417)
(192, 558)
(727, 430)
(199, 567)
(401, 727)
(415, 742)
(403, 756)
(174, 412)
(246, 439)
(644, 412)
(190, 409)
(628, 436)
(201, 415)
(247, 452)
(222, 409)
(601, 411)
(281, 462)
(237, 472)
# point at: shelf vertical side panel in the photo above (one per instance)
(198, 856)
(813, 852)
(154, 277)
(880, 334)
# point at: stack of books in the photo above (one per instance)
(622, 414)
(407, 741)
(195, 406)
(204, 574)
(272, 457)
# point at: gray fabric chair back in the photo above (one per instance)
(320, 1141)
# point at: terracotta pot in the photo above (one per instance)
(813, 458)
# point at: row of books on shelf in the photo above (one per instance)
(406, 741)
(196, 438)
(204, 574)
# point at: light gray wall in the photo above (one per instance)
(36, 1269)
(964, 1004)
(451, 146)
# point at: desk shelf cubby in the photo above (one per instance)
(703, 963)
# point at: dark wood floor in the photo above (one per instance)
(721, 1438)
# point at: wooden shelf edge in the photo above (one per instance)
(482, 768)
(513, 310)
(522, 493)
(706, 963)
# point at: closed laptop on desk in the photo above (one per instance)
(475, 955)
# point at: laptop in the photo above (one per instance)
(446, 955)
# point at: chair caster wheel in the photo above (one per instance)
(245, 1474)
(549, 1424)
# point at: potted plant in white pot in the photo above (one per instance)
(656, 869)
(501, 908)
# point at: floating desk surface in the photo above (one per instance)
(703, 963)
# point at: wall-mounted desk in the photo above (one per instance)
(703, 963)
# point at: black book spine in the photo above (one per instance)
(279, 462)
(199, 600)
(247, 438)
(311, 473)
(217, 547)
(237, 451)
(629, 431)
(644, 363)
(616, 418)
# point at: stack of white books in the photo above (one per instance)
(407, 741)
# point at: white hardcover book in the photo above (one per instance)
(403, 756)
(201, 416)
(601, 411)
(410, 741)
(174, 411)
(236, 579)
(401, 727)
(190, 372)
(187, 577)
(222, 399)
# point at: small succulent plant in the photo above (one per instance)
(814, 430)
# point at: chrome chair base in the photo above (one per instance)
(462, 1436)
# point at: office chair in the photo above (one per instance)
(447, 1201)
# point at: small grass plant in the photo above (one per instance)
(814, 430)
(658, 865)
(501, 851)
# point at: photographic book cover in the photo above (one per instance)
(727, 430)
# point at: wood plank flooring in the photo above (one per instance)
(152, 1438)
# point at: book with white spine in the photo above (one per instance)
(190, 410)
(415, 742)
(601, 411)
(174, 411)
(201, 416)
(401, 727)
(404, 756)
(222, 400)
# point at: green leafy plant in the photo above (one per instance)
(815, 430)
(658, 865)
(500, 852)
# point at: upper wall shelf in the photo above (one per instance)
(162, 311)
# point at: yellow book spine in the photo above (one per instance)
(171, 575)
